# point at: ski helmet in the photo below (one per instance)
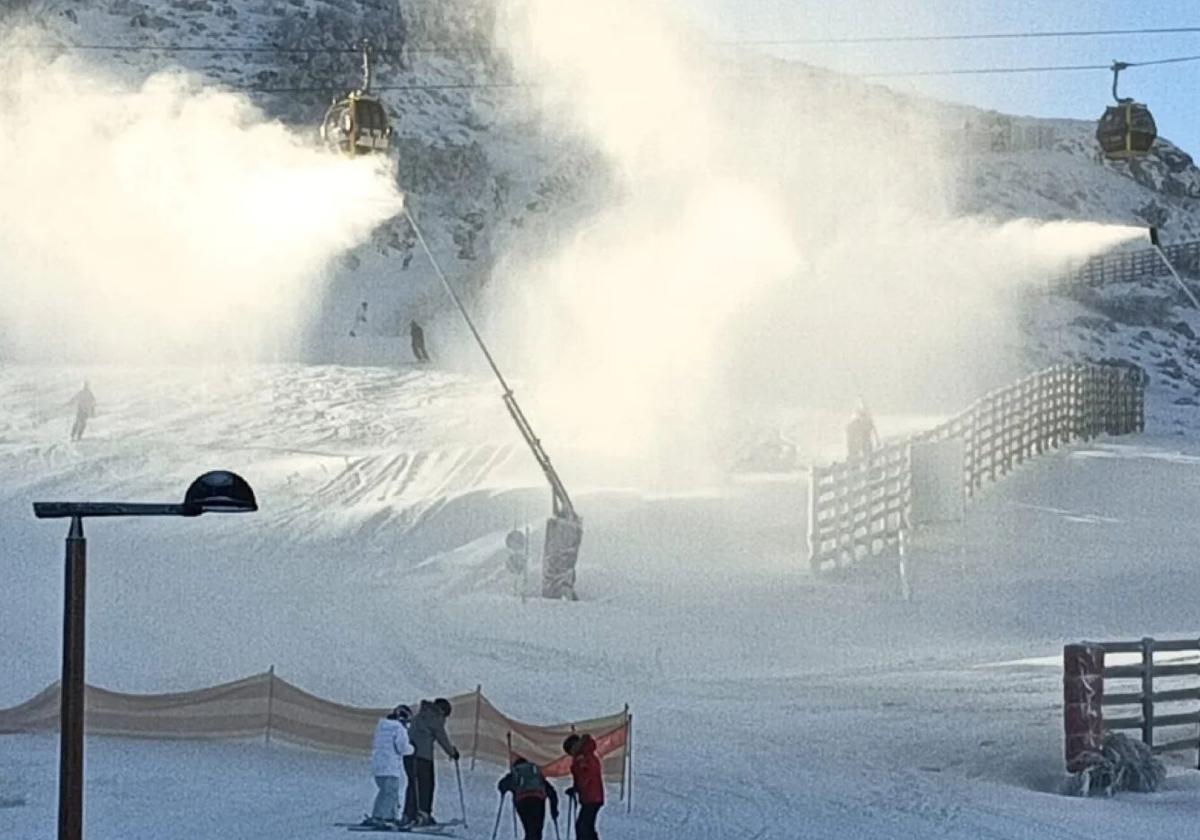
(571, 742)
(402, 713)
(443, 706)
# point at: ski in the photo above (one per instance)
(441, 829)
(428, 830)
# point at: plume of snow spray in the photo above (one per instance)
(776, 238)
(167, 221)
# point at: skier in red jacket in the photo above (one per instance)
(588, 778)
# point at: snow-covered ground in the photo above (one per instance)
(767, 702)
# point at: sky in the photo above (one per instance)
(1169, 90)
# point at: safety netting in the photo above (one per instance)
(268, 707)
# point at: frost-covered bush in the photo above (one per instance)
(1121, 764)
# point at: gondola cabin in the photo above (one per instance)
(357, 124)
(1126, 130)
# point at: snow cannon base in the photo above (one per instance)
(559, 557)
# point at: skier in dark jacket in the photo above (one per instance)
(418, 341)
(360, 320)
(428, 725)
(588, 778)
(530, 790)
(85, 409)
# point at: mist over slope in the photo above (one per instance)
(660, 245)
(504, 176)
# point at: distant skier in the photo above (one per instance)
(861, 436)
(428, 725)
(418, 341)
(389, 748)
(360, 319)
(85, 409)
(530, 790)
(588, 783)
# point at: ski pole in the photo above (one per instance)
(570, 815)
(462, 802)
(499, 813)
(557, 836)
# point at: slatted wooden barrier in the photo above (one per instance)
(860, 508)
(1154, 689)
(1129, 266)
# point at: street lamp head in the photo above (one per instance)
(219, 491)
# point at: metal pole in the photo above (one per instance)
(1175, 274)
(462, 801)
(562, 500)
(70, 757)
(499, 813)
(437, 269)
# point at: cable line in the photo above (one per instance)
(978, 36)
(1052, 68)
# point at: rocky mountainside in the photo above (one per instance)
(481, 172)
(473, 167)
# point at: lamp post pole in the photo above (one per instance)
(70, 755)
(214, 492)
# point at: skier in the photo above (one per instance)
(861, 436)
(85, 409)
(360, 318)
(418, 341)
(428, 725)
(588, 783)
(389, 748)
(530, 790)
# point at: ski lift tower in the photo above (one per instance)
(564, 528)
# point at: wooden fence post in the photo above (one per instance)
(1083, 697)
(814, 559)
(625, 754)
(629, 759)
(270, 703)
(478, 707)
(1148, 692)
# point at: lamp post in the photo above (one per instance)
(213, 492)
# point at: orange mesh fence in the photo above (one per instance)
(266, 706)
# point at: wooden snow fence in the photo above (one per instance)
(863, 508)
(268, 707)
(1129, 266)
(1163, 695)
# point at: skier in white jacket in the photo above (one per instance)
(388, 749)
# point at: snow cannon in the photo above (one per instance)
(564, 528)
(561, 553)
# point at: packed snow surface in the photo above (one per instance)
(766, 702)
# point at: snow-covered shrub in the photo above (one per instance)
(1122, 763)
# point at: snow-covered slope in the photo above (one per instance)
(767, 703)
(832, 703)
